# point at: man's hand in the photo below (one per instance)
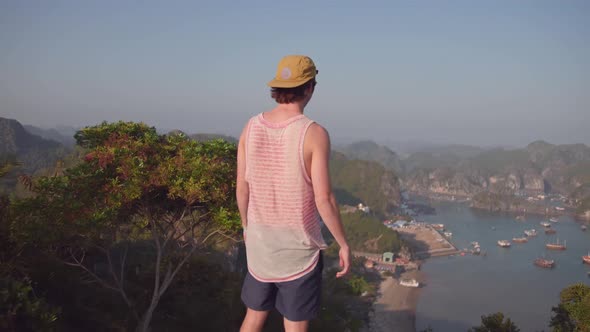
(344, 254)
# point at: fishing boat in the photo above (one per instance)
(556, 245)
(545, 224)
(553, 219)
(520, 239)
(530, 232)
(409, 283)
(504, 243)
(545, 263)
(586, 259)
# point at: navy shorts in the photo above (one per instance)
(296, 300)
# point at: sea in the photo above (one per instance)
(460, 289)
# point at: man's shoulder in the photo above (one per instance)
(317, 136)
(316, 129)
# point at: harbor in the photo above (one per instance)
(453, 298)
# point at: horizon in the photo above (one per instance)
(485, 74)
(399, 147)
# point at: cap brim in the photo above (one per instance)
(290, 84)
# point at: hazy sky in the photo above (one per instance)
(473, 72)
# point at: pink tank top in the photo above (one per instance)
(284, 238)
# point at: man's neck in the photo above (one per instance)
(284, 111)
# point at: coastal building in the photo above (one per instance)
(400, 224)
(364, 208)
(388, 257)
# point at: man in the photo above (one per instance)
(283, 187)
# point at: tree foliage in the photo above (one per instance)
(573, 311)
(133, 186)
(495, 323)
(21, 310)
(367, 233)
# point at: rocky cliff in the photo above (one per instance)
(371, 151)
(540, 167)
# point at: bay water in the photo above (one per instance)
(460, 289)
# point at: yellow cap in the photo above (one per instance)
(293, 71)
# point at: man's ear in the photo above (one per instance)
(309, 89)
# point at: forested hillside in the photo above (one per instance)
(364, 181)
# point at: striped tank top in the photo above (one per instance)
(284, 238)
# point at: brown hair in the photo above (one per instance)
(291, 95)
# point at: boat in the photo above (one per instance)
(553, 219)
(521, 218)
(545, 224)
(476, 251)
(545, 263)
(530, 232)
(438, 226)
(475, 244)
(583, 227)
(448, 234)
(409, 282)
(559, 208)
(550, 231)
(504, 243)
(520, 239)
(586, 259)
(556, 245)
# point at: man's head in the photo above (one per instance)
(294, 81)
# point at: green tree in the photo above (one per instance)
(573, 311)
(21, 310)
(495, 323)
(366, 233)
(134, 186)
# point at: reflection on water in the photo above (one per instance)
(462, 289)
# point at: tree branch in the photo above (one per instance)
(120, 281)
(170, 277)
(79, 263)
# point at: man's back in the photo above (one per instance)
(283, 223)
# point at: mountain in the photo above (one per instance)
(32, 151)
(63, 135)
(368, 182)
(539, 167)
(371, 151)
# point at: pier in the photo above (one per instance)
(427, 242)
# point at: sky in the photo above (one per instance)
(448, 72)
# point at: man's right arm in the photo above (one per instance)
(322, 188)
(242, 188)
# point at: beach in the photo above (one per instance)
(395, 307)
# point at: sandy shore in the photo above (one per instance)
(395, 308)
